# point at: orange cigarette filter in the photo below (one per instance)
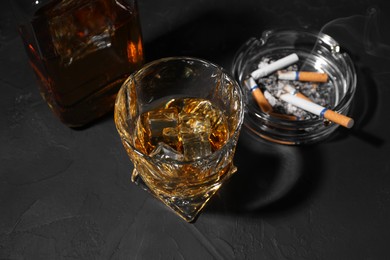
(339, 118)
(261, 100)
(303, 76)
(299, 94)
(283, 116)
(258, 95)
(313, 76)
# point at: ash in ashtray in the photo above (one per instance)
(282, 90)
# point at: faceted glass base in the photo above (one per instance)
(187, 207)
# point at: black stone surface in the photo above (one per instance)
(66, 194)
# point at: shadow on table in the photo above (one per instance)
(270, 178)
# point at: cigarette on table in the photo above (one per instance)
(293, 91)
(318, 110)
(258, 95)
(303, 76)
(274, 66)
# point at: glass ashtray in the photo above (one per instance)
(316, 52)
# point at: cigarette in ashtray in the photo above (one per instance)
(262, 100)
(274, 66)
(283, 116)
(303, 76)
(293, 91)
(290, 94)
(318, 110)
(258, 95)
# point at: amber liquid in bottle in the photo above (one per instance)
(82, 51)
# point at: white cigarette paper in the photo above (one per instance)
(290, 89)
(250, 83)
(274, 66)
(288, 75)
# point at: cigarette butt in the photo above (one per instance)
(313, 76)
(338, 118)
(293, 91)
(274, 66)
(272, 101)
(318, 110)
(303, 76)
(283, 116)
(258, 95)
(261, 100)
(300, 95)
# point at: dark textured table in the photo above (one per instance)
(66, 194)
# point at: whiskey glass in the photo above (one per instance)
(179, 119)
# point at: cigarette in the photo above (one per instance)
(272, 101)
(295, 92)
(274, 66)
(258, 95)
(283, 116)
(318, 110)
(303, 76)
